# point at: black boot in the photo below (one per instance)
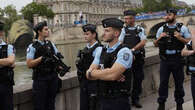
(136, 104)
(161, 106)
(179, 107)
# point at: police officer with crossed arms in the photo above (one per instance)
(7, 63)
(112, 69)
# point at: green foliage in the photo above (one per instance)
(154, 5)
(160, 5)
(36, 9)
(1, 13)
(9, 15)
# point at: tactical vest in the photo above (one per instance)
(6, 73)
(190, 59)
(170, 42)
(131, 37)
(42, 70)
(113, 88)
(86, 58)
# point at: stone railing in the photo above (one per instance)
(68, 97)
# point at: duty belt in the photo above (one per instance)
(191, 72)
(114, 93)
(172, 52)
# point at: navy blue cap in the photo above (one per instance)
(1, 26)
(172, 10)
(39, 26)
(129, 12)
(89, 27)
(112, 22)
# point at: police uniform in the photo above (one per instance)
(191, 70)
(45, 80)
(114, 94)
(6, 76)
(171, 61)
(131, 36)
(88, 88)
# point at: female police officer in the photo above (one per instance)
(45, 80)
(88, 89)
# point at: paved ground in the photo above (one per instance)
(187, 106)
(150, 102)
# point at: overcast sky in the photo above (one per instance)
(21, 3)
(17, 3)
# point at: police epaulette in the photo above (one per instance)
(35, 43)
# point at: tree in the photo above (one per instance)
(1, 13)
(166, 4)
(9, 15)
(154, 5)
(151, 5)
(39, 9)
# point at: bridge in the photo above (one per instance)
(150, 25)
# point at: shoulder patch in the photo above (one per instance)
(28, 50)
(14, 50)
(126, 56)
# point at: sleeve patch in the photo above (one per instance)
(28, 50)
(126, 56)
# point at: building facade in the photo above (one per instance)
(70, 12)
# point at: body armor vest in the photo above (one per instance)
(113, 88)
(6, 73)
(170, 42)
(131, 37)
(85, 60)
(85, 57)
(43, 69)
(190, 59)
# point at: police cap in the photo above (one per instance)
(89, 27)
(1, 26)
(40, 26)
(129, 12)
(112, 22)
(172, 10)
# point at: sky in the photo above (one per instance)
(21, 3)
(17, 3)
(189, 1)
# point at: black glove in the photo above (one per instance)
(46, 60)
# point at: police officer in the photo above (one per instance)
(45, 80)
(88, 89)
(7, 60)
(134, 36)
(190, 69)
(171, 39)
(112, 69)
